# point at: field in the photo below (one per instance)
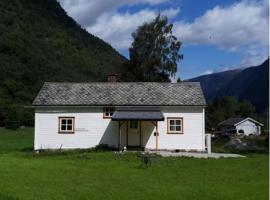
(107, 175)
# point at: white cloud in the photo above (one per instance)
(117, 28)
(229, 27)
(242, 26)
(171, 12)
(85, 12)
(207, 72)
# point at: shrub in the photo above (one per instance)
(104, 147)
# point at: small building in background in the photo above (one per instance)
(240, 126)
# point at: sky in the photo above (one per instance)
(216, 35)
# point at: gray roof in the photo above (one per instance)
(120, 94)
(138, 115)
(231, 121)
(235, 121)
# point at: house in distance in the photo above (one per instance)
(240, 126)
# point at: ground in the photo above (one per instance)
(107, 175)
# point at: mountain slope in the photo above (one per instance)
(249, 84)
(213, 83)
(39, 42)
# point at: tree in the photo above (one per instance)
(226, 107)
(154, 52)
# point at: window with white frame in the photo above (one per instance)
(108, 112)
(66, 124)
(175, 125)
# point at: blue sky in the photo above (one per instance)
(217, 35)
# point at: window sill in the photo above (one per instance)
(177, 133)
(106, 117)
(64, 132)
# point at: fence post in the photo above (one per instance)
(208, 142)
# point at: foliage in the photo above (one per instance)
(253, 144)
(39, 43)
(104, 147)
(227, 107)
(154, 52)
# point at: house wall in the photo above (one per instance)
(92, 129)
(249, 127)
(193, 137)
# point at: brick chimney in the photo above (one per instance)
(112, 77)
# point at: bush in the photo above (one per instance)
(12, 121)
(104, 147)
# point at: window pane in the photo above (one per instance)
(69, 121)
(171, 122)
(172, 128)
(64, 121)
(108, 111)
(69, 127)
(178, 128)
(111, 111)
(63, 127)
(177, 122)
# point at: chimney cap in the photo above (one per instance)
(112, 77)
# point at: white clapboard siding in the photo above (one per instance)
(249, 127)
(191, 139)
(92, 129)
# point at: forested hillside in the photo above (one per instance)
(250, 84)
(212, 84)
(39, 42)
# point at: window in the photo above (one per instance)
(133, 124)
(241, 131)
(108, 112)
(66, 124)
(175, 125)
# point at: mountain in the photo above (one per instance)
(213, 83)
(40, 42)
(251, 84)
(248, 84)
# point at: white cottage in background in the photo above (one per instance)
(244, 126)
(143, 115)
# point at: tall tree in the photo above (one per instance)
(154, 52)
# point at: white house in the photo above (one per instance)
(144, 115)
(245, 126)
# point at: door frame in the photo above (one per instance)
(140, 134)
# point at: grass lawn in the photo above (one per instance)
(106, 175)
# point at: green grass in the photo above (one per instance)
(21, 139)
(106, 175)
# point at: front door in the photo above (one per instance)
(133, 134)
